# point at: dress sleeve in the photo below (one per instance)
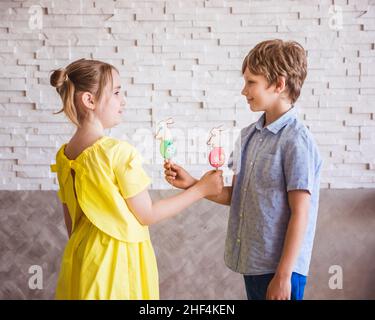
(60, 192)
(130, 175)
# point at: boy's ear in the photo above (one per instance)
(280, 84)
(88, 100)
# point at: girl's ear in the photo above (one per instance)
(88, 100)
(280, 85)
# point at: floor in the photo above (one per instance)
(189, 247)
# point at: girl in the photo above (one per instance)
(103, 188)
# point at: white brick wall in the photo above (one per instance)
(183, 59)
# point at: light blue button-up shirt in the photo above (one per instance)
(269, 162)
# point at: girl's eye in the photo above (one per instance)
(117, 93)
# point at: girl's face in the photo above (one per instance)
(110, 113)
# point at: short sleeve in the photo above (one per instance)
(60, 192)
(129, 172)
(301, 162)
(234, 160)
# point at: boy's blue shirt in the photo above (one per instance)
(269, 162)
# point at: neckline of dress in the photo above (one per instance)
(86, 150)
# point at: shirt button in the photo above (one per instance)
(238, 240)
(251, 163)
(260, 140)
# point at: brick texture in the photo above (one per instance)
(183, 59)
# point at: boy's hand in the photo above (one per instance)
(177, 176)
(211, 183)
(280, 288)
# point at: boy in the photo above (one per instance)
(275, 189)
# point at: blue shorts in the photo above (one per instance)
(256, 286)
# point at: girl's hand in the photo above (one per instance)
(211, 183)
(177, 176)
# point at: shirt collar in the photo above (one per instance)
(280, 123)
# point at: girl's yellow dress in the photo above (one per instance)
(109, 254)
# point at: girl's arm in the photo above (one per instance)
(180, 178)
(149, 213)
(68, 220)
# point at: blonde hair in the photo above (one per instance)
(277, 58)
(80, 76)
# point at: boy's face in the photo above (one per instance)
(259, 94)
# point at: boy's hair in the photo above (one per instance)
(276, 58)
(80, 76)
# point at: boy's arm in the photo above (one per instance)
(149, 213)
(68, 219)
(299, 203)
(225, 197)
(180, 178)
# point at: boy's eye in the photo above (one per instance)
(117, 93)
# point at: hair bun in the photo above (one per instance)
(58, 78)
